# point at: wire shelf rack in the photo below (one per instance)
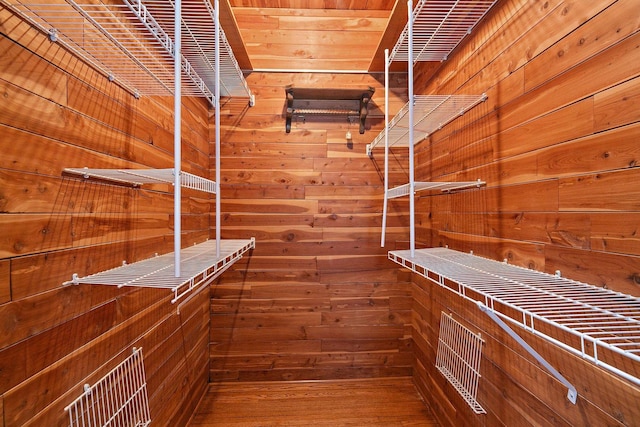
(434, 28)
(131, 42)
(439, 26)
(445, 187)
(596, 324)
(458, 359)
(117, 399)
(430, 113)
(138, 177)
(199, 264)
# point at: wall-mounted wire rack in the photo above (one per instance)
(431, 112)
(200, 264)
(594, 323)
(119, 398)
(132, 42)
(139, 177)
(154, 47)
(434, 28)
(405, 189)
(438, 27)
(458, 359)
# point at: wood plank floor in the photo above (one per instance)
(370, 402)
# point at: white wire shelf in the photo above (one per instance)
(199, 264)
(596, 324)
(430, 113)
(445, 187)
(458, 359)
(438, 27)
(138, 177)
(132, 42)
(120, 398)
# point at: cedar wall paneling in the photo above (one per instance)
(57, 112)
(317, 299)
(557, 143)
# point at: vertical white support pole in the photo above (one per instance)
(412, 232)
(386, 145)
(216, 6)
(177, 134)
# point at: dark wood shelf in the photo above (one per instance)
(328, 101)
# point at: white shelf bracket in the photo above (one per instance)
(572, 393)
(75, 280)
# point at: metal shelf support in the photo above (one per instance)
(431, 32)
(594, 323)
(572, 393)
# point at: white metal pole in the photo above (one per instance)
(386, 145)
(412, 232)
(216, 6)
(177, 136)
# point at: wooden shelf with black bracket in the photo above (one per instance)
(328, 102)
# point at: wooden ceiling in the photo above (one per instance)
(312, 35)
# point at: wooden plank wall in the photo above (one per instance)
(311, 35)
(57, 112)
(557, 144)
(317, 299)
